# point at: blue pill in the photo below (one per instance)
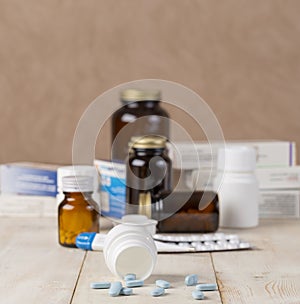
(130, 277)
(115, 289)
(134, 283)
(100, 285)
(191, 280)
(206, 287)
(198, 295)
(162, 283)
(126, 291)
(158, 291)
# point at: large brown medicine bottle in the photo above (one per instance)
(77, 213)
(141, 114)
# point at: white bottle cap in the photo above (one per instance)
(77, 184)
(79, 170)
(237, 158)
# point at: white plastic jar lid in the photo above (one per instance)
(237, 158)
(77, 183)
(75, 170)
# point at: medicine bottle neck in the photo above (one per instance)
(148, 152)
(78, 195)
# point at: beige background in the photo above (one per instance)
(242, 57)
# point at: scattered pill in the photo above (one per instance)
(134, 283)
(162, 283)
(130, 277)
(158, 291)
(198, 295)
(100, 285)
(206, 287)
(191, 280)
(115, 289)
(126, 291)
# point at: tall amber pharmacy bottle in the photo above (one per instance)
(77, 213)
(141, 114)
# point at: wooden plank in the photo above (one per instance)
(269, 274)
(33, 267)
(171, 267)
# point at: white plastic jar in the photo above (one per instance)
(129, 248)
(237, 187)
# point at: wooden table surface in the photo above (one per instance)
(35, 269)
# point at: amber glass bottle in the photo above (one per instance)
(148, 173)
(77, 212)
(142, 114)
(196, 212)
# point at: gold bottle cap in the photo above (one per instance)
(133, 139)
(148, 142)
(133, 95)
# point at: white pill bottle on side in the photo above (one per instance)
(129, 248)
(237, 187)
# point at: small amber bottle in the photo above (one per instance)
(78, 212)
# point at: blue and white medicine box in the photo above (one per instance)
(112, 188)
(29, 179)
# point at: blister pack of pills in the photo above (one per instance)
(204, 242)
